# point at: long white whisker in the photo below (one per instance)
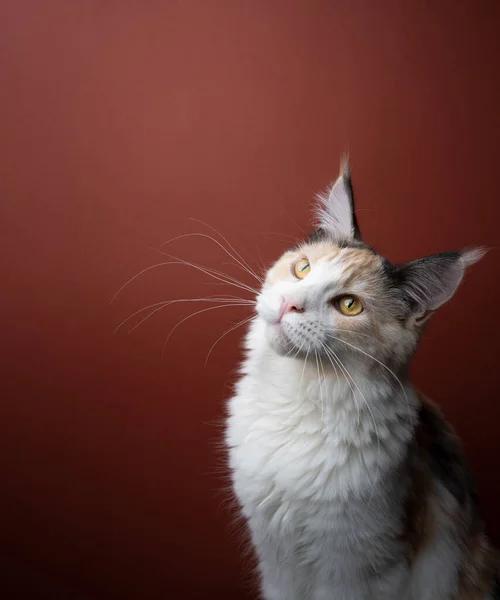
(353, 332)
(380, 363)
(321, 399)
(163, 303)
(198, 312)
(138, 312)
(228, 279)
(330, 360)
(303, 369)
(127, 283)
(239, 324)
(169, 302)
(331, 355)
(245, 264)
(294, 348)
(376, 433)
(209, 237)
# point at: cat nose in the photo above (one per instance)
(288, 306)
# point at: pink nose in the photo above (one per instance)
(288, 306)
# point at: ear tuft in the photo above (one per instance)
(345, 166)
(335, 211)
(473, 255)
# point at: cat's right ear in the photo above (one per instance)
(335, 210)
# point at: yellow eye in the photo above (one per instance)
(349, 305)
(301, 268)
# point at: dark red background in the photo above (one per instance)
(119, 121)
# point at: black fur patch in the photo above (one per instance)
(496, 587)
(350, 192)
(421, 280)
(446, 459)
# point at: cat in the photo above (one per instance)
(352, 483)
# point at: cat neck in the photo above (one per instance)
(345, 384)
(352, 403)
(359, 424)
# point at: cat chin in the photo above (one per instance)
(278, 340)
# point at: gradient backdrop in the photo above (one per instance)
(122, 120)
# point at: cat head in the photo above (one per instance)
(335, 296)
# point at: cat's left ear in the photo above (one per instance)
(335, 211)
(429, 282)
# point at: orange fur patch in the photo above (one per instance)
(420, 525)
(357, 263)
(480, 563)
(281, 270)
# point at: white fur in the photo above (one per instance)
(317, 469)
(304, 469)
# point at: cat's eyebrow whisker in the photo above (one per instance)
(160, 305)
(224, 277)
(239, 324)
(198, 312)
(245, 263)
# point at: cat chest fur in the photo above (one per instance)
(306, 458)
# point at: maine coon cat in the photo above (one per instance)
(353, 484)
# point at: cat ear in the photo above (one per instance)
(335, 211)
(429, 282)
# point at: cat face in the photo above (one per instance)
(335, 297)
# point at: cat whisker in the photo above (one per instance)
(239, 324)
(353, 332)
(157, 306)
(292, 348)
(262, 265)
(138, 312)
(321, 399)
(127, 283)
(374, 426)
(405, 396)
(245, 264)
(198, 312)
(330, 360)
(331, 355)
(303, 369)
(223, 277)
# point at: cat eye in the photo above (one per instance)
(301, 268)
(350, 306)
